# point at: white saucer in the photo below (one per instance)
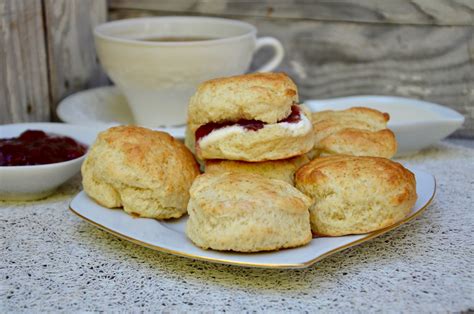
(104, 107)
(169, 235)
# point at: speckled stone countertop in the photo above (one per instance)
(53, 261)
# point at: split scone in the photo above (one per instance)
(283, 169)
(252, 117)
(353, 195)
(357, 131)
(146, 172)
(246, 213)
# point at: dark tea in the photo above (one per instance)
(177, 39)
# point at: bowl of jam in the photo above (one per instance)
(36, 158)
(36, 147)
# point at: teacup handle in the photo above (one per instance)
(277, 58)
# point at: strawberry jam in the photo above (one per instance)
(34, 147)
(294, 117)
(249, 125)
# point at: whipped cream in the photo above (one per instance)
(301, 127)
(295, 129)
(221, 133)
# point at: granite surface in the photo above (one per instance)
(53, 261)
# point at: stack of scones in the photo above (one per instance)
(260, 190)
(251, 135)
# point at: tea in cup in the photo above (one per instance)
(158, 62)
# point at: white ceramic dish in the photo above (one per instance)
(416, 123)
(169, 236)
(104, 107)
(35, 182)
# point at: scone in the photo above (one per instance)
(283, 169)
(252, 117)
(356, 131)
(353, 195)
(246, 213)
(146, 172)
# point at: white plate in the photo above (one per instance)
(102, 106)
(169, 236)
(416, 123)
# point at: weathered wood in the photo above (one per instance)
(341, 59)
(73, 63)
(432, 12)
(23, 62)
(332, 60)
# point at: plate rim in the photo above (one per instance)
(369, 236)
(64, 104)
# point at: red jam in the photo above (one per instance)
(250, 125)
(34, 147)
(294, 117)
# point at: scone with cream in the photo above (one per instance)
(252, 117)
(357, 131)
(353, 195)
(146, 172)
(246, 213)
(283, 169)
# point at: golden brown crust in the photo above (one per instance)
(360, 143)
(356, 131)
(136, 168)
(283, 169)
(356, 194)
(371, 116)
(246, 213)
(265, 97)
(212, 190)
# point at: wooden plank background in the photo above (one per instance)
(413, 48)
(23, 76)
(73, 63)
(46, 53)
(431, 12)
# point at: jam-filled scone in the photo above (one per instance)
(253, 117)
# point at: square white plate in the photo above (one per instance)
(169, 236)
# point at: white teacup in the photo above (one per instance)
(159, 77)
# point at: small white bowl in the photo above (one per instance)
(416, 123)
(39, 181)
